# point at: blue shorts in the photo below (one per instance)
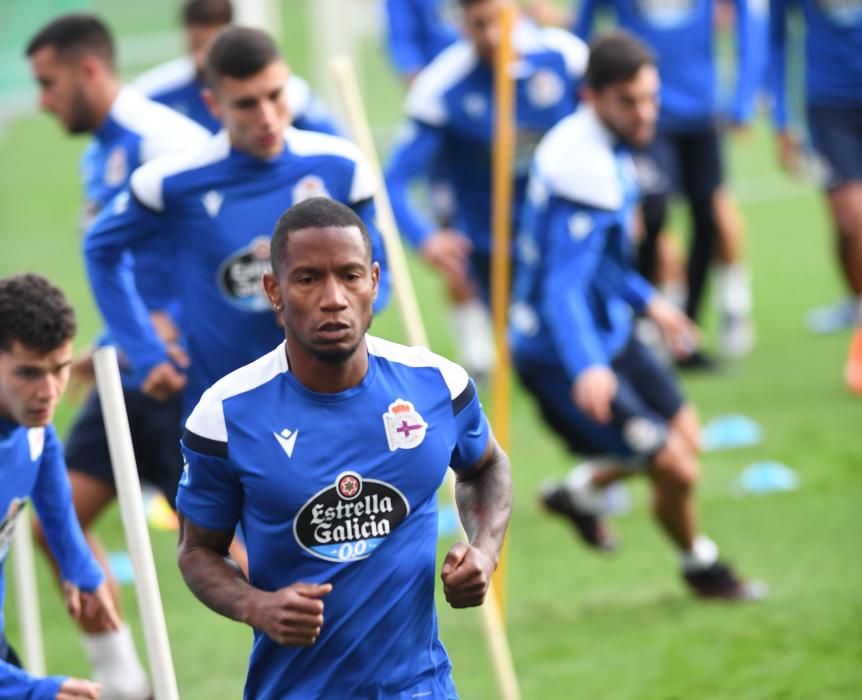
(836, 134)
(687, 162)
(155, 427)
(647, 399)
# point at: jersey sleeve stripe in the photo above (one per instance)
(460, 402)
(205, 446)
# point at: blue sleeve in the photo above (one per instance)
(571, 264)
(120, 226)
(778, 61)
(414, 156)
(585, 18)
(367, 211)
(52, 496)
(210, 494)
(403, 37)
(752, 29)
(17, 684)
(472, 429)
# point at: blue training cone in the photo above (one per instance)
(730, 432)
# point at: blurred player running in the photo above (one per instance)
(330, 450)
(36, 330)
(179, 84)
(214, 207)
(450, 107)
(833, 88)
(73, 60)
(598, 387)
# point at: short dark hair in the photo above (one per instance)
(35, 313)
(75, 34)
(616, 57)
(239, 52)
(207, 13)
(317, 212)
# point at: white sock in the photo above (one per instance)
(733, 284)
(579, 484)
(116, 665)
(703, 554)
(474, 336)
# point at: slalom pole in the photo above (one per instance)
(135, 523)
(27, 595)
(502, 162)
(411, 317)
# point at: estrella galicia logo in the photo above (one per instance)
(350, 519)
(239, 276)
(667, 14)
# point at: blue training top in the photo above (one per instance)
(833, 46)
(339, 488)
(576, 284)
(450, 108)
(178, 85)
(681, 33)
(32, 469)
(217, 209)
(417, 31)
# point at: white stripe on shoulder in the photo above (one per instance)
(298, 96)
(166, 77)
(574, 51)
(313, 143)
(425, 101)
(147, 181)
(454, 375)
(207, 418)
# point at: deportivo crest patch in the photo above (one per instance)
(405, 428)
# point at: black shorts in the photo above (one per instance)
(155, 427)
(648, 397)
(836, 134)
(688, 162)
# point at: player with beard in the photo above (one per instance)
(335, 483)
(576, 290)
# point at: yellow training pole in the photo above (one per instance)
(411, 317)
(503, 162)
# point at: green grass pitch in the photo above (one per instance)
(579, 625)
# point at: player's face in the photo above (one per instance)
(254, 110)
(62, 89)
(630, 109)
(31, 382)
(483, 28)
(326, 287)
(197, 39)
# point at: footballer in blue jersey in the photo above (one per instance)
(450, 115)
(598, 387)
(417, 31)
(833, 96)
(36, 330)
(685, 155)
(335, 484)
(216, 207)
(179, 84)
(73, 60)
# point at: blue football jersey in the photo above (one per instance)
(32, 470)
(135, 131)
(576, 284)
(339, 488)
(217, 208)
(833, 45)
(450, 111)
(681, 33)
(178, 85)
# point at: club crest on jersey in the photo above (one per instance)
(349, 519)
(405, 428)
(239, 276)
(545, 88)
(308, 187)
(116, 167)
